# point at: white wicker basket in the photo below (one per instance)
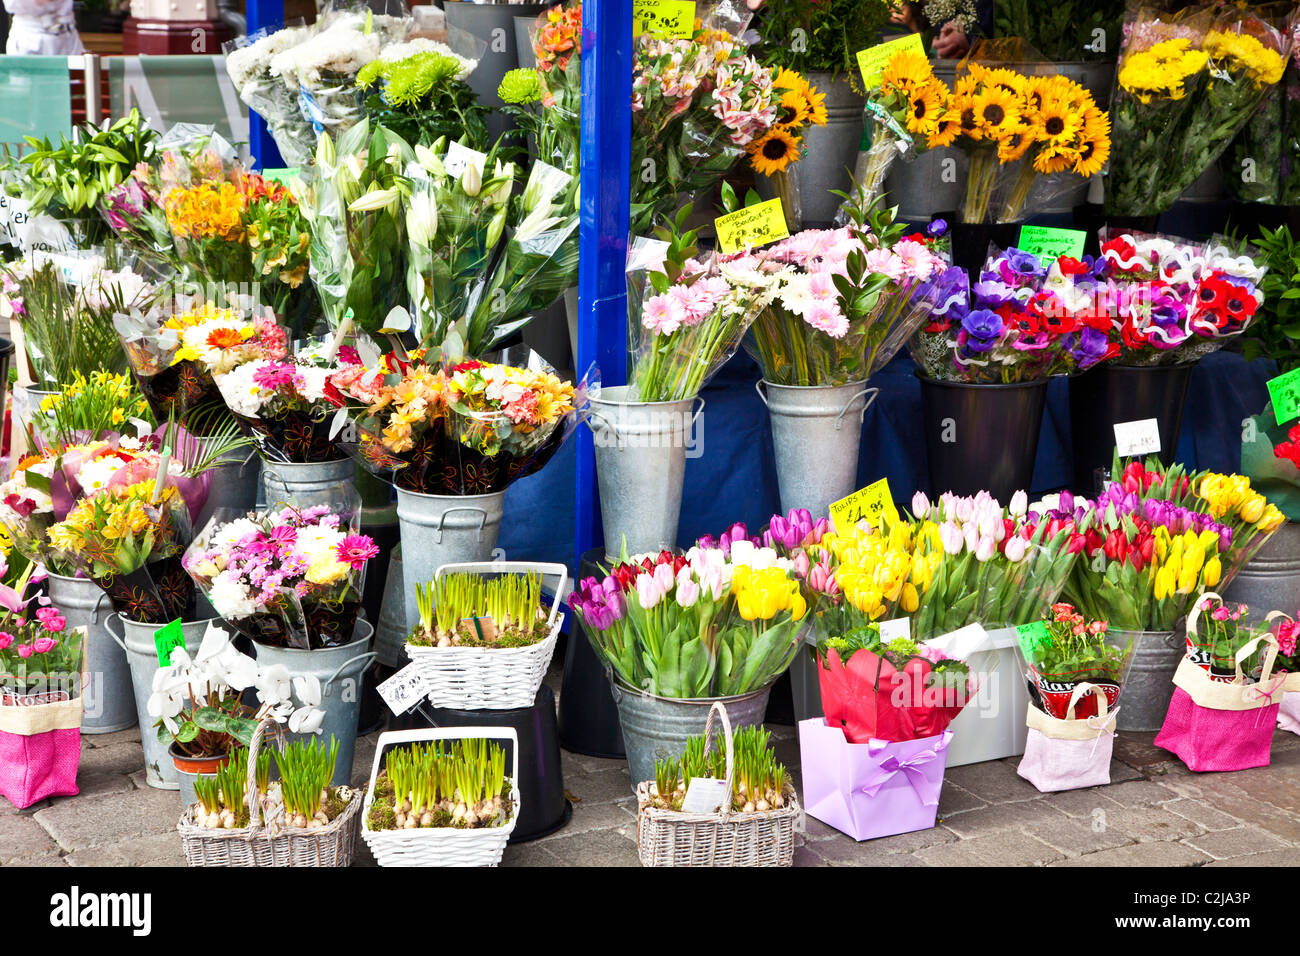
(441, 846)
(491, 678)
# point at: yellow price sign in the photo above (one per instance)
(871, 503)
(665, 19)
(873, 60)
(752, 226)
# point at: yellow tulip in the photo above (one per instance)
(1252, 509)
(1164, 583)
(1213, 571)
(911, 600)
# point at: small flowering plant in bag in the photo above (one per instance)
(40, 659)
(1069, 650)
(1220, 630)
(287, 578)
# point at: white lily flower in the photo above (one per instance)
(422, 217)
(374, 199)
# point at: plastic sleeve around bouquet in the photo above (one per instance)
(752, 657)
(1252, 165)
(695, 160)
(248, 63)
(537, 264)
(172, 388)
(672, 364)
(888, 143)
(933, 346)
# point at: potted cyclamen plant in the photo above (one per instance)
(42, 674)
(200, 711)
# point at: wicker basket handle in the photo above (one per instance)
(546, 569)
(721, 711)
(250, 789)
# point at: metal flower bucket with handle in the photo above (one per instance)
(108, 700)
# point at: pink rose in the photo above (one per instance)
(43, 645)
(51, 619)
(6, 639)
(25, 651)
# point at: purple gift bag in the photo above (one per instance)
(871, 790)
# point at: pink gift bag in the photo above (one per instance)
(1071, 753)
(1215, 725)
(40, 750)
(874, 789)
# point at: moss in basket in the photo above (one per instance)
(468, 610)
(459, 784)
(759, 782)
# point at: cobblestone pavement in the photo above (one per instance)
(1154, 813)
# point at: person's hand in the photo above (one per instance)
(951, 43)
(753, 4)
(905, 14)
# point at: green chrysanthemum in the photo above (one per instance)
(520, 87)
(408, 81)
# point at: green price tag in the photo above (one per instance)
(753, 226)
(1050, 244)
(282, 175)
(1032, 636)
(664, 19)
(871, 503)
(167, 638)
(1284, 391)
(873, 60)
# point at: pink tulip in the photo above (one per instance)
(985, 548)
(648, 590)
(951, 537)
(1015, 548)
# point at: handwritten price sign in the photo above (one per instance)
(1137, 438)
(665, 19)
(873, 60)
(752, 226)
(870, 503)
(166, 639)
(1284, 391)
(1050, 244)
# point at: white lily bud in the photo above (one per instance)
(496, 227)
(430, 160)
(422, 217)
(374, 199)
(471, 181)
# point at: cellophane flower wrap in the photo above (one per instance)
(1144, 562)
(1070, 650)
(998, 566)
(355, 208)
(321, 71)
(909, 111)
(286, 578)
(178, 351)
(1171, 301)
(846, 301)
(703, 624)
(288, 406)
(129, 541)
(45, 487)
(1024, 320)
(248, 63)
(1270, 458)
(1186, 85)
(889, 690)
(469, 428)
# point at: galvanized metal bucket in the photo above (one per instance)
(391, 630)
(443, 529)
(832, 150)
(655, 728)
(816, 433)
(1271, 579)
(640, 466)
(305, 484)
(1144, 699)
(235, 481)
(108, 699)
(339, 671)
(142, 656)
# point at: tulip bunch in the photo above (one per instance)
(1231, 500)
(999, 566)
(871, 576)
(703, 624)
(794, 532)
(1145, 562)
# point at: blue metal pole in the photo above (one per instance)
(270, 14)
(605, 190)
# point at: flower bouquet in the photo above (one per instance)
(1270, 458)
(289, 578)
(89, 410)
(467, 429)
(248, 63)
(909, 113)
(772, 155)
(422, 96)
(128, 539)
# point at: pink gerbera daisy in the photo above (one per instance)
(356, 550)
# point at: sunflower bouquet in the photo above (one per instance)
(129, 539)
(772, 155)
(177, 355)
(464, 429)
(909, 112)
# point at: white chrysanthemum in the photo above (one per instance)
(318, 543)
(243, 395)
(232, 531)
(231, 598)
(253, 61)
(313, 382)
(341, 48)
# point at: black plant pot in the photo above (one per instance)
(544, 807)
(589, 722)
(981, 437)
(971, 240)
(1118, 224)
(1108, 394)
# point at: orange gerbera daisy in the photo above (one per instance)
(224, 338)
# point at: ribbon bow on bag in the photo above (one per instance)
(910, 766)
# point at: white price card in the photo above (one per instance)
(404, 690)
(704, 795)
(892, 630)
(459, 157)
(1137, 438)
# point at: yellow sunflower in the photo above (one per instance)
(906, 71)
(924, 109)
(1014, 146)
(794, 108)
(1056, 124)
(775, 152)
(1094, 143)
(1055, 159)
(816, 106)
(997, 112)
(946, 129)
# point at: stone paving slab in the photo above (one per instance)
(1154, 813)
